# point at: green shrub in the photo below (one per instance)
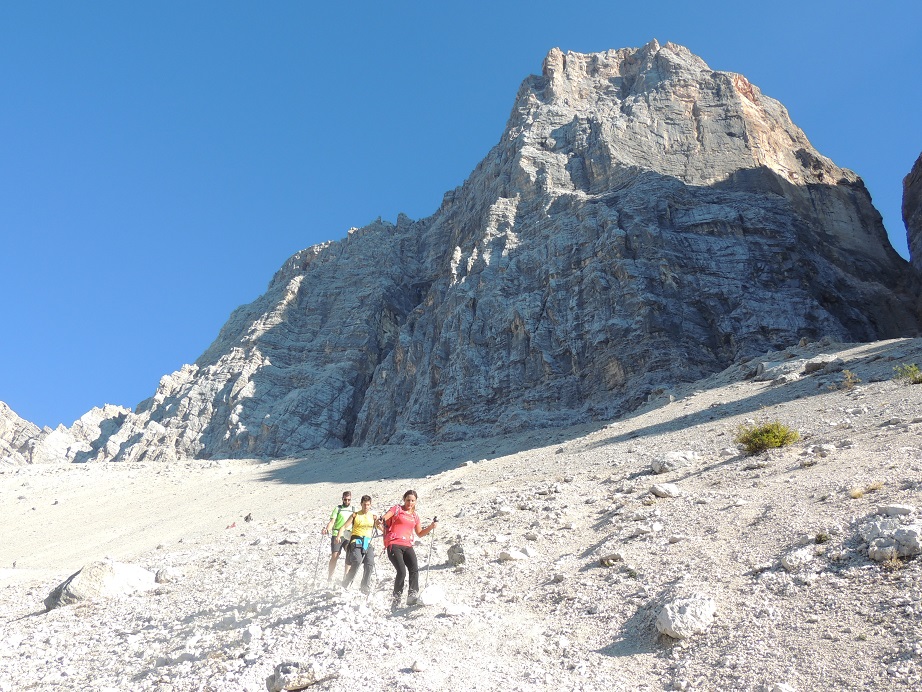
(758, 438)
(909, 373)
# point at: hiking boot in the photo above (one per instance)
(395, 602)
(412, 598)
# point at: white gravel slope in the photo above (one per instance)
(559, 620)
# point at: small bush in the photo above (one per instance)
(822, 537)
(849, 380)
(876, 485)
(758, 438)
(909, 373)
(856, 493)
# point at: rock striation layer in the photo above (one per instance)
(643, 220)
(912, 212)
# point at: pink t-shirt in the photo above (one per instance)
(401, 529)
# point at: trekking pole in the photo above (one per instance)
(317, 564)
(429, 558)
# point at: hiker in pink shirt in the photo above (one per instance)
(403, 525)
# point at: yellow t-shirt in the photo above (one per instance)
(362, 524)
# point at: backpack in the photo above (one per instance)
(388, 535)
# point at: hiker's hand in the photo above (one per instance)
(324, 531)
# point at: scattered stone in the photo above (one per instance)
(666, 490)
(686, 617)
(454, 610)
(611, 559)
(896, 510)
(167, 575)
(292, 676)
(432, 595)
(889, 539)
(672, 461)
(797, 559)
(252, 633)
(512, 555)
(418, 666)
(456, 554)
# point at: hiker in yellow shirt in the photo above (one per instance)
(363, 523)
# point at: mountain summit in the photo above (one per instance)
(644, 220)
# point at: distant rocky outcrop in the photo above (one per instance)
(643, 220)
(88, 439)
(16, 437)
(912, 212)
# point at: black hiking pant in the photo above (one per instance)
(403, 558)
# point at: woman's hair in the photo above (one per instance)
(366, 498)
(410, 492)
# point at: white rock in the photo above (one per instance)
(292, 675)
(666, 490)
(103, 579)
(432, 595)
(168, 575)
(685, 617)
(512, 555)
(797, 559)
(672, 461)
(252, 633)
(457, 610)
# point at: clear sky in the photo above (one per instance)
(159, 161)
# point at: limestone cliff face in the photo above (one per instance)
(22, 442)
(912, 212)
(643, 220)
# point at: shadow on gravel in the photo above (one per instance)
(636, 636)
(412, 463)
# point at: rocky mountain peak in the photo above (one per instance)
(643, 220)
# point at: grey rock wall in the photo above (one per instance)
(643, 220)
(912, 212)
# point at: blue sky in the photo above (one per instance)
(159, 161)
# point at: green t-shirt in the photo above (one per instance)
(341, 514)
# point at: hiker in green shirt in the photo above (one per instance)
(338, 537)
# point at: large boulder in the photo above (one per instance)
(103, 579)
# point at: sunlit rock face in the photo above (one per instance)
(643, 220)
(912, 212)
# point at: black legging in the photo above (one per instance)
(403, 557)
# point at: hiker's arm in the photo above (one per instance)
(346, 526)
(328, 526)
(426, 530)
